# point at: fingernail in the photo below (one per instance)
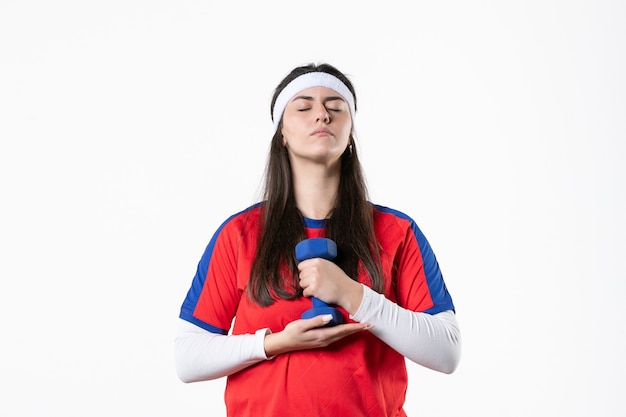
(327, 317)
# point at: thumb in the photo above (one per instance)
(319, 321)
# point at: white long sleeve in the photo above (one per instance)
(201, 355)
(433, 341)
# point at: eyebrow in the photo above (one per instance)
(327, 99)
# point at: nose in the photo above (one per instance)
(323, 115)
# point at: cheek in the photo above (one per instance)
(346, 131)
(286, 134)
(285, 130)
(289, 127)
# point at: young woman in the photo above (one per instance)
(385, 280)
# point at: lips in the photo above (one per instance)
(321, 132)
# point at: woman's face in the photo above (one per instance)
(316, 125)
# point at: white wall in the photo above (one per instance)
(131, 129)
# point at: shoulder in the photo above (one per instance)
(387, 218)
(389, 215)
(242, 221)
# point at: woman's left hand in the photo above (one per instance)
(323, 279)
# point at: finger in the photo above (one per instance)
(324, 319)
(343, 330)
(350, 328)
(303, 264)
(317, 321)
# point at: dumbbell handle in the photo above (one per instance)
(319, 248)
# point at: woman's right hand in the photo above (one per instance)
(309, 334)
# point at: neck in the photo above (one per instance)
(315, 191)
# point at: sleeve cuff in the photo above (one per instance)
(260, 343)
(361, 313)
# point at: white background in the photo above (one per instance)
(131, 129)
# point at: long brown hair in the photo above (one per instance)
(350, 225)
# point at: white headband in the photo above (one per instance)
(308, 80)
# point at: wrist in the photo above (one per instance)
(353, 297)
(272, 344)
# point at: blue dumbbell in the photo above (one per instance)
(319, 248)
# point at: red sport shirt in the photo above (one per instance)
(356, 376)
